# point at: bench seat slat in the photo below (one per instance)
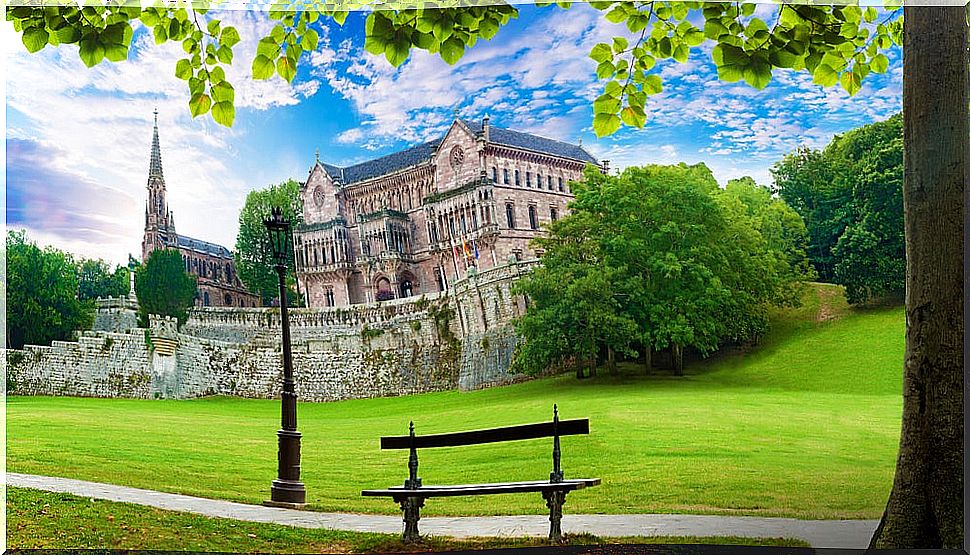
(492, 435)
(481, 489)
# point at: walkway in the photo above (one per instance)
(819, 533)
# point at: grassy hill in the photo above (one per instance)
(805, 425)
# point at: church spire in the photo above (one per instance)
(155, 167)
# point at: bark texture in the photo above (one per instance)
(925, 508)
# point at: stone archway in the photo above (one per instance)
(406, 284)
(382, 289)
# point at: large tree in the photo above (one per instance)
(253, 257)
(836, 44)
(851, 197)
(97, 280)
(163, 287)
(42, 294)
(661, 257)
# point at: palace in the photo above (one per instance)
(415, 221)
(212, 264)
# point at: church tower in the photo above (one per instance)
(159, 223)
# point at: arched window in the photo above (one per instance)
(533, 220)
(560, 185)
(528, 179)
(228, 299)
(494, 174)
(505, 174)
(517, 183)
(549, 181)
(539, 180)
(205, 299)
(510, 215)
(553, 214)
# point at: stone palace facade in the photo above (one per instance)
(212, 264)
(415, 221)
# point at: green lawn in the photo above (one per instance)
(806, 426)
(41, 520)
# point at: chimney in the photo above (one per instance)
(485, 127)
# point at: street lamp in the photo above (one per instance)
(287, 489)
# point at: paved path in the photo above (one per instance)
(819, 533)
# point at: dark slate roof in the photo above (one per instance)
(385, 164)
(423, 152)
(535, 143)
(204, 247)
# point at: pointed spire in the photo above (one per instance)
(155, 167)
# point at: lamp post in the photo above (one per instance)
(287, 489)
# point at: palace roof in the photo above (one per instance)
(422, 153)
(204, 247)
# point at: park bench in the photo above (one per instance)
(412, 494)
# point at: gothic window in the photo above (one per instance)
(505, 174)
(517, 183)
(330, 299)
(205, 299)
(494, 174)
(510, 215)
(533, 220)
(553, 214)
(464, 229)
(539, 180)
(228, 273)
(560, 184)
(316, 258)
(528, 179)
(228, 299)
(549, 182)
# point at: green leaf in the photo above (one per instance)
(68, 35)
(633, 117)
(681, 53)
(616, 15)
(183, 69)
(161, 33)
(870, 14)
(758, 73)
(488, 28)
(310, 40)
(731, 62)
(613, 89)
(824, 75)
(601, 53)
(278, 33)
(267, 47)
(652, 84)
(229, 37)
(620, 44)
(217, 75)
(606, 104)
(879, 63)
(91, 52)
(35, 38)
(223, 92)
(196, 86)
(224, 53)
(605, 69)
(605, 124)
(199, 104)
(189, 45)
(286, 68)
(851, 82)
(263, 67)
(224, 113)
(213, 27)
(694, 37)
(452, 50)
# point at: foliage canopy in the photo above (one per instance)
(42, 294)
(253, 257)
(164, 287)
(659, 257)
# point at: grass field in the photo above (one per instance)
(60, 521)
(806, 425)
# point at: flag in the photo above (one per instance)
(475, 247)
(464, 247)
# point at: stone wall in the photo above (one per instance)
(458, 339)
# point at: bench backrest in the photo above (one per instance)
(491, 435)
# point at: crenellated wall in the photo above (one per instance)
(457, 339)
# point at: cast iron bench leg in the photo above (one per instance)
(412, 513)
(554, 500)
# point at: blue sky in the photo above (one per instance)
(78, 140)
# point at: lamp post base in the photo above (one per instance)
(287, 494)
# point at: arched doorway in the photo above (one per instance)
(383, 291)
(406, 284)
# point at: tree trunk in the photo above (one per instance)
(646, 359)
(677, 359)
(579, 370)
(925, 508)
(611, 361)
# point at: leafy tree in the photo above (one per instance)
(661, 257)
(164, 287)
(851, 196)
(96, 280)
(41, 288)
(836, 44)
(254, 260)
